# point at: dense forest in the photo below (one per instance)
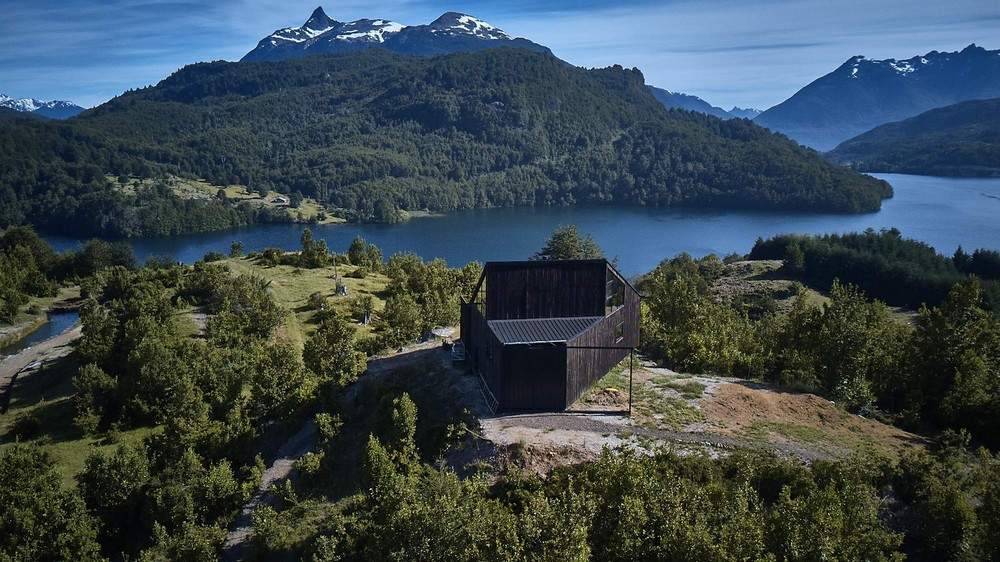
(373, 133)
(957, 140)
(886, 266)
(55, 177)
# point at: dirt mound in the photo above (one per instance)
(607, 397)
(747, 408)
(541, 459)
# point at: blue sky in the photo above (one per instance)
(729, 52)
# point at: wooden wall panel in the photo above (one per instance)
(534, 377)
(545, 290)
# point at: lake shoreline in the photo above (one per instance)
(940, 212)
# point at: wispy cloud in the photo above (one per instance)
(731, 52)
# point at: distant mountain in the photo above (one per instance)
(51, 109)
(745, 112)
(957, 140)
(452, 32)
(676, 100)
(864, 93)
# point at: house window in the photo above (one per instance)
(620, 332)
(614, 295)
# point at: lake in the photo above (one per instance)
(943, 212)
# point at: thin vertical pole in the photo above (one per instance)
(631, 353)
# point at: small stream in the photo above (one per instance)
(58, 322)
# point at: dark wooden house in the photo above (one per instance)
(540, 333)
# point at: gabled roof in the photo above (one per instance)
(540, 330)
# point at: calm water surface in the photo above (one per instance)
(943, 212)
(58, 322)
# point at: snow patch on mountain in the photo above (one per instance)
(32, 105)
(451, 32)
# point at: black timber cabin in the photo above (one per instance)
(540, 333)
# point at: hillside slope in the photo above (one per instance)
(864, 93)
(958, 140)
(375, 132)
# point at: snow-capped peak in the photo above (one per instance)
(452, 32)
(319, 25)
(319, 22)
(368, 30)
(454, 23)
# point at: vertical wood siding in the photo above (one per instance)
(584, 367)
(545, 290)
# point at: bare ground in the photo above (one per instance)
(725, 415)
(33, 358)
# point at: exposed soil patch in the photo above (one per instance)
(754, 411)
(607, 397)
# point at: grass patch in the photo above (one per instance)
(292, 286)
(42, 403)
(308, 211)
(688, 389)
(290, 532)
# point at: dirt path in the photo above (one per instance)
(304, 441)
(32, 358)
(301, 443)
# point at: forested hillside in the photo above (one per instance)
(374, 132)
(54, 176)
(886, 266)
(958, 140)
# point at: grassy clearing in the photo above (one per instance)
(763, 281)
(651, 407)
(41, 412)
(308, 211)
(293, 286)
(832, 442)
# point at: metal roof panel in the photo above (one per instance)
(540, 330)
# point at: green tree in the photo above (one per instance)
(114, 487)
(39, 520)
(566, 243)
(399, 322)
(331, 352)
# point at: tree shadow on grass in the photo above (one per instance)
(41, 406)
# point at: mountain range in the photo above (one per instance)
(864, 93)
(745, 112)
(957, 140)
(677, 100)
(321, 34)
(52, 109)
(453, 32)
